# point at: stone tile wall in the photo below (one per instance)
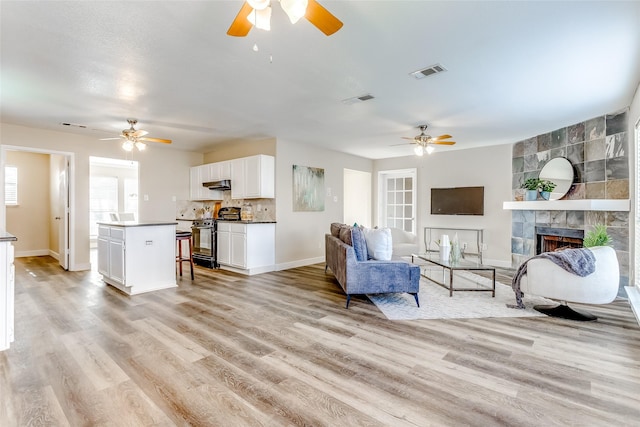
(598, 149)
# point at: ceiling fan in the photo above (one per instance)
(258, 13)
(425, 143)
(134, 138)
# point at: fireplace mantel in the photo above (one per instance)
(619, 205)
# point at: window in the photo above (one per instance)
(398, 199)
(103, 200)
(10, 185)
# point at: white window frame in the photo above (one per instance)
(8, 182)
(384, 204)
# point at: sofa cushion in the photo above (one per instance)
(335, 229)
(379, 244)
(345, 234)
(359, 243)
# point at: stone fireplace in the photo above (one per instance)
(598, 150)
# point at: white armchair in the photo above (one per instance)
(546, 279)
(403, 242)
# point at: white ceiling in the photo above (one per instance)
(515, 69)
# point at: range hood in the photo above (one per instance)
(224, 184)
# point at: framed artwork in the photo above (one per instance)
(308, 189)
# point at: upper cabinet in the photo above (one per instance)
(253, 177)
(198, 175)
(219, 171)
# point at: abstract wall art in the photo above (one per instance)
(308, 189)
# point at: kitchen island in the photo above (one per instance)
(137, 256)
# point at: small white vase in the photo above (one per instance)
(444, 252)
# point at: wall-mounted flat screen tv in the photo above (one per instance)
(457, 201)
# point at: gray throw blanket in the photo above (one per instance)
(580, 262)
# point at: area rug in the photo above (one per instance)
(435, 302)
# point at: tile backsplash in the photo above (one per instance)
(264, 209)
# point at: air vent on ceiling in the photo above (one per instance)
(357, 99)
(75, 125)
(429, 71)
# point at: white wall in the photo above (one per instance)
(300, 235)
(357, 197)
(164, 173)
(489, 167)
(30, 218)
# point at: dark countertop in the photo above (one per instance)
(7, 237)
(136, 223)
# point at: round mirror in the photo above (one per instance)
(560, 172)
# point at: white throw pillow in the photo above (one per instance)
(379, 244)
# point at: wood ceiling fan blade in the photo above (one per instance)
(164, 141)
(109, 139)
(241, 26)
(139, 133)
(409, 138)
(443, 142)
(442, 137)
(322, 18)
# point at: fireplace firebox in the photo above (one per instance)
(549, 239)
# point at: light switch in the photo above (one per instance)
(335, 199)
(146, 197)
(328, 191)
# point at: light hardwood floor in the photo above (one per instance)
(280, 349)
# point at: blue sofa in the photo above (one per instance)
(367, 276)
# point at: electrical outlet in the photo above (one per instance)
(484, 246)
(464, 246)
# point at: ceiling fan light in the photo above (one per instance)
(429, 149)
(261, 18)
(140, 145)
(127, 145)
(419, 150)
(295, 9)
(258, 4)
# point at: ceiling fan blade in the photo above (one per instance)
(322, 18)
(241, 26)
(139, 133)
(409, 138)
(164, 141)
(443, 142)
(108, 139)
(404, 143)
(442, 137)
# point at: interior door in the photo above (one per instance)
(63, 209)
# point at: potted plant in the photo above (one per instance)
(597, 237)
(546, 187)
(531, 185)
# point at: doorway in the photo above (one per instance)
(357, 197)
(39, 212)
(113, 192)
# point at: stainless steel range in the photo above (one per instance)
(204, 232)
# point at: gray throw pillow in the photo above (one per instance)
(345, 234)
(359, 243)
(335, 229)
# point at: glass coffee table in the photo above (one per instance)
(460, 265)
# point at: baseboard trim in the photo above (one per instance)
(37, 252)
(299, 263)
(634, 300)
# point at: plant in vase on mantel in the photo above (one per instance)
(531, 185)
(546, 187)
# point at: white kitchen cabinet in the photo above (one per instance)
(219, 170)
(247, 248)
(253, 177)
(137, 257)
(198, 175)
(223, 241)
(7, 290)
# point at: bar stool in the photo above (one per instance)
(180, 236)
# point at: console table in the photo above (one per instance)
(478, 233)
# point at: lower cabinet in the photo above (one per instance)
(7, 293)
(247, 248)
(138, 258)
